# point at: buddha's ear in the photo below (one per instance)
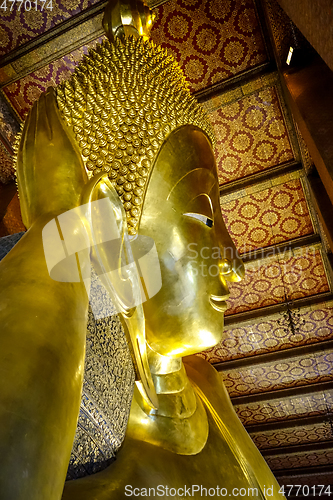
(116, 268)
(97, 230)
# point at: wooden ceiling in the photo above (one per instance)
(277, 351)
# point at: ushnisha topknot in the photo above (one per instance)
(122, 102)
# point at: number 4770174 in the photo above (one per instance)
(26, 5)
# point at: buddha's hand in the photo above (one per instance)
(50, 171)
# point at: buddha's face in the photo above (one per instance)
(182, 214)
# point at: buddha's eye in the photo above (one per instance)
(202, 218)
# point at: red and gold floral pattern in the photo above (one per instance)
(251, 136)
(268, 216)
(275, 410)
(301, 459)
(20, 26)
(24, 92)
(275, 279)
(293, 435)
(210, 39)
(273, 334)
(308, 369)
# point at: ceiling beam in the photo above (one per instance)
(288, 392)
(305, 471)
(280, 248)
(269, 357)
(234, 81)
(235, 319)
(298, 448)
(289, 424)
(268, 174)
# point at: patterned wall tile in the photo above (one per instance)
(292, 372)
(273, 334)
(24, 92)
(267, 217)
(210, 39)
(275, 410)
(293, 435)
(272, 280)
(251, 136)
(302, 459)
(20, 26)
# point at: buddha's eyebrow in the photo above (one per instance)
(194, 177)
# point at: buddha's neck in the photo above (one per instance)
(180, 424)
(176, 396)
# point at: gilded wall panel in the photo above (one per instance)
(275, 410)
(291, 372)
(276, 279)
(210, 39)
(291, 436)
(302, 459)
(18, 26)
(267, 217)
(273, 334)
(251, 136)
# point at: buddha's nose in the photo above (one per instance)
(232, 268)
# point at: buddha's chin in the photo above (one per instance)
(205, 339)
(188, 332)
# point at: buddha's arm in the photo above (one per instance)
(42, 342)
(42, 322)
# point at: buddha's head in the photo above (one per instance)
(181, 212)
(134, 118)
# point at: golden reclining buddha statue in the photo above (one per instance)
(123, 128)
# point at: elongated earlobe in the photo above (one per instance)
(115, 265)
